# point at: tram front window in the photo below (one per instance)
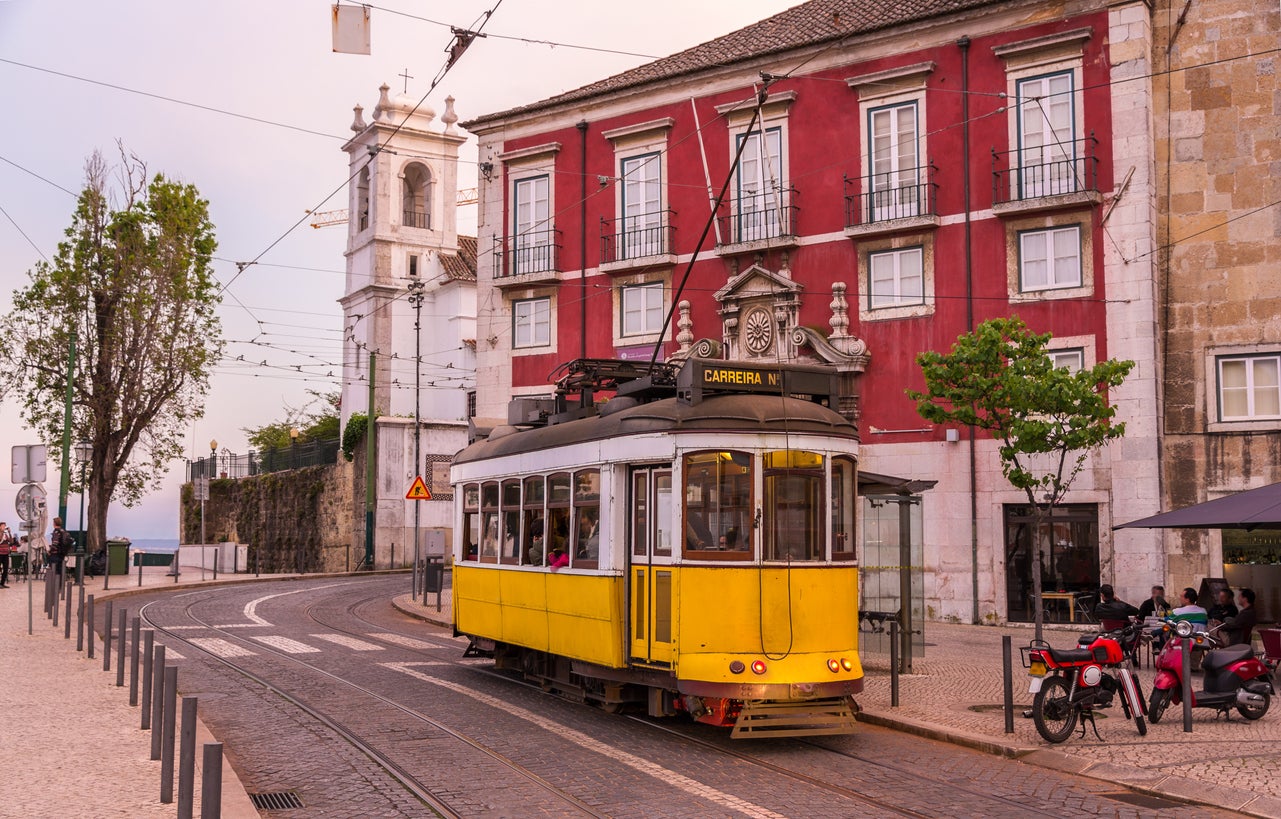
(718, 503)
(794, 507)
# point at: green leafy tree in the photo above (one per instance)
(317, 420)
(131, 288)
(1046, 419)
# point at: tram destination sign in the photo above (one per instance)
(705, 376)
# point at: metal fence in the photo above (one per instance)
(228, 464)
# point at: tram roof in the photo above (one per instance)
(728, 413)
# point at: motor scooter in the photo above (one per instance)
(1072, 683)
(1233, 676)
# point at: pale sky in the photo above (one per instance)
(268, 63)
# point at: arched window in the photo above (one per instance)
(362, 199)
(417, 196)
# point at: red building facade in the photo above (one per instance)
(900, 177)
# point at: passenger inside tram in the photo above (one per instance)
(537, 548)
(588, 538)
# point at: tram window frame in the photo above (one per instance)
(777, 517)
(471, 522)
(559, 511)
(510, 507)
(586, 502)
(534, 501)
(489, 522)
(716, 485)
(845, 504)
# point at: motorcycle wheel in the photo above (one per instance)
(1157, 703)
(1141, 725)
(1053, 711)
(1255, 711)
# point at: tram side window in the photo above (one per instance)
(471, 521)
(559, 498)
(844, 506)
(489, 522)
(793, 506)
(587, 518)
(535, 543)
(511, 521)
(718, 503)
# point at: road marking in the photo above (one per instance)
(401, 640)
(665, 775)
(219, 647)
(251, 608)
(286, 645)
(348, 642)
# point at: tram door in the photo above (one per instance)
(650, 577)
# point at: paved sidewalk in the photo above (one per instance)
(956, 694)
(70, 742)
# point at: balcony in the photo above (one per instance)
(644, 241)
(1046, 177)
(531, 257)
(759, 222)
(890, 202)
(416, 219)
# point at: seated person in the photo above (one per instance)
(1112, 613)
(1222, 608)
(1189, 610)
(537, 548)
(697, 535)
(1239, 627)
(588, 536)
(558, 558)
(1156, 605)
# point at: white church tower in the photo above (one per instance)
(410, 300)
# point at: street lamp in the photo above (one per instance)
(293, 445)
(416, 287)
(84, 451)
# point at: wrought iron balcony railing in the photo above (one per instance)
(883, 197)
(760, 216)
(417, 219)
(533, 251)
(1042, 171)
(641, 237)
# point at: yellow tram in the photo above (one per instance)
(687, 545)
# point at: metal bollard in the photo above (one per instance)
(157, 698)
(133, 662)
(55, 599)
(89, 624)
(1008, 668)
(67, 619)
(1187, 685)
(80, 621)
(106, 640)
(894, 664)
(211, 782)
(148, 649)
(139, 559)
(120, 651)
(187, 758)
(167, 732)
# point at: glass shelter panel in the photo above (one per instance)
(883, 571)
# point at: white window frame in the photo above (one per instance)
(1016, 228)
(760, 186)
(1048, 239)
(634, 282)
(525, 311)
(896, 258)
(1071, 359)
(640, 182)
(651, 312)
(882, 246)
(531, 246)
(1048, 168)
(894, 191)
(1250, 388)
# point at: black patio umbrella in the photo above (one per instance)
(1253, 509)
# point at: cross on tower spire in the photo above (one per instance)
(407, 77)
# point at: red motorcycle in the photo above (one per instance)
(1071, 684)
(1233, 676)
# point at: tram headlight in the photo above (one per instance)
(847, 664)
(737, 667)
(758, 667)
(833, 666)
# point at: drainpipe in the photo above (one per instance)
(964, 45)
(582, 245)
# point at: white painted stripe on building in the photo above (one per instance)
(346, 642)
(665, 775)
(219, 647)
(400, 640)
(286, 645)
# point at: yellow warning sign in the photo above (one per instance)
(418, 490)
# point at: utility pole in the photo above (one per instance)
(416, 300)
(371, 429)
(64, 485)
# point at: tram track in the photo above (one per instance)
(420, 790)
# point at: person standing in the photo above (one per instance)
(60, 545)
(7, 546)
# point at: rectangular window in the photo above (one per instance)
(1047, 156)
(1070, 360)
(1249, 388)
(759, 204)
(1050, 259)
(531, 323)
(642, 309)
(642, 207)
(894, 173)
(532, 246)
(896, 278)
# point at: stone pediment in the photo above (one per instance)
(755, 282)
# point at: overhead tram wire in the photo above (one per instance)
(24, 233)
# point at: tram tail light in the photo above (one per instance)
(847, 664)
(758, 667)
(833, 666)
(737, 667)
